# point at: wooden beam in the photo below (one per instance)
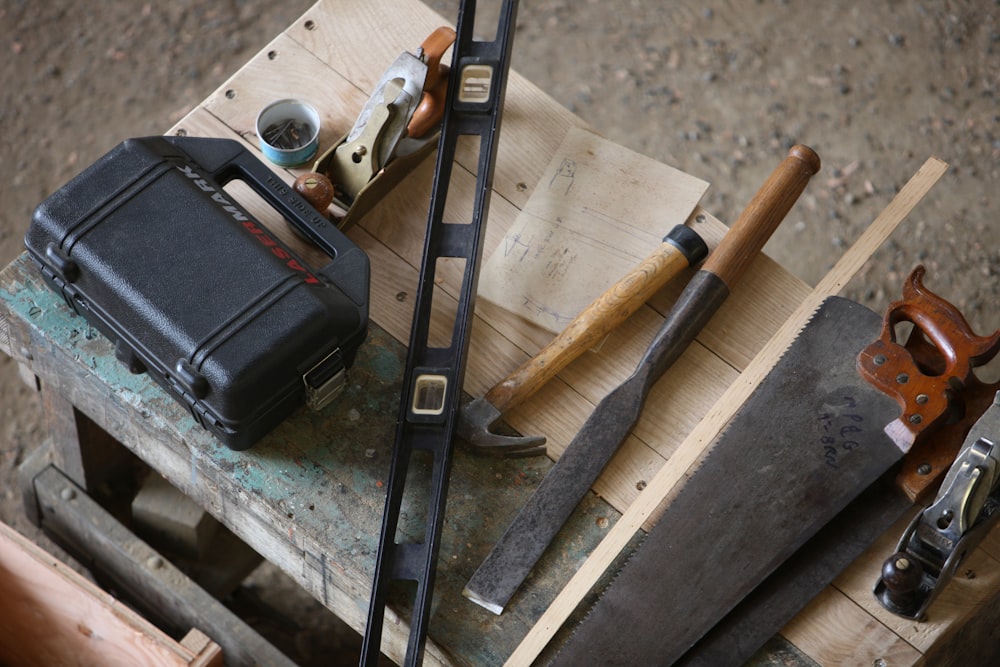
(80, 525)
(53, 615)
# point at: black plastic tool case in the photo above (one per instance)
(154, 253)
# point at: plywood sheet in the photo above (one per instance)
(597, 211)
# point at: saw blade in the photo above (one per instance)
(761, 614)
(805, 443)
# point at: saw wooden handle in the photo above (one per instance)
(762, 215)
(680, 249)
(929, 374)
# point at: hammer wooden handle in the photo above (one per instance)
(601, 317)
(762, 215)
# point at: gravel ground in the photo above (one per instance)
(719, 89)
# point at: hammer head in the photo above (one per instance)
(477, 417)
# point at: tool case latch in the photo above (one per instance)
(325, 380)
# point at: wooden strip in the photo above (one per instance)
(698, 440)
(206, 652)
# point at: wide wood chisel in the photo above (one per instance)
(527, 538)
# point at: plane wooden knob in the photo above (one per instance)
(902, 575)
(316, 189)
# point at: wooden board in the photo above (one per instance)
(51, 615)
(597, 212)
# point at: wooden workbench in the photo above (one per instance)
(309, 497)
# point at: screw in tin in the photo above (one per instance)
(289, 132)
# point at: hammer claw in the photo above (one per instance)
(475, 420)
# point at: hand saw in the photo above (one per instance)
(798, 451)
(815, 565)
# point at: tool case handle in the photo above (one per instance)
(226, 160)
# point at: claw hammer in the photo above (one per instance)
(681, 248)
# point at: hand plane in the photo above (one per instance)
(393, 132)
(939, 537)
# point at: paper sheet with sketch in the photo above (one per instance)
(598, 210)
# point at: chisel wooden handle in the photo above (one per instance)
(681, 248)
(762, 215)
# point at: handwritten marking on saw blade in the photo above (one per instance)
(839, 430)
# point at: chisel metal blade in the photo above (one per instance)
(527, 538)
(798, 451)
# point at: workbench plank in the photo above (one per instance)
(698, 378)
(399, 221)
(833, 630)
(532, 121)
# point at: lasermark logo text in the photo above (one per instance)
(258, 232)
